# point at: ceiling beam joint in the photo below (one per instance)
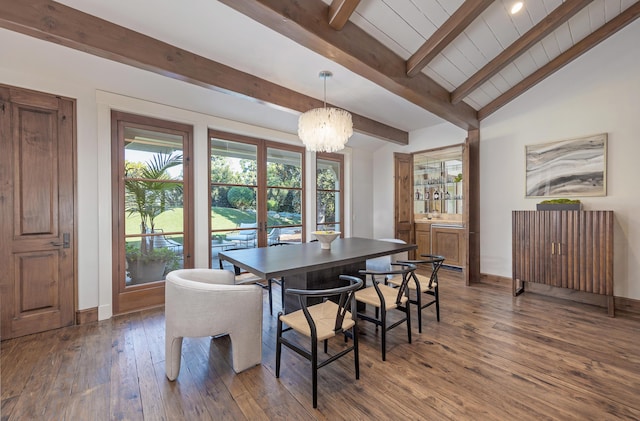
(340, 11)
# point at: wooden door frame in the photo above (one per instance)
(471, 193)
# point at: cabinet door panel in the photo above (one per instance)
(423, 240)
(540, 225)
(449, 243)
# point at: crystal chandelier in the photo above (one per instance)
(325, 129)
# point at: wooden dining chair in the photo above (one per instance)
(423, 285)
(385, 298)
(320, 322)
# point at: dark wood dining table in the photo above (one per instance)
(307, 266)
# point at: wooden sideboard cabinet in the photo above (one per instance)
(567, 249)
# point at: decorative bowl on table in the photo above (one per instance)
(325, 238)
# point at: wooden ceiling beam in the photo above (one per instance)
(551, 22)
(445, 34)
(60, 24)
(353, 48)
(340, 11)
(590, 41)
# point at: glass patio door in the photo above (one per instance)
(330, 192)
(256, 193)
(152, 207)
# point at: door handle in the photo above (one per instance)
(66, 240)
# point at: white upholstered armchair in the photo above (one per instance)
(205, 302)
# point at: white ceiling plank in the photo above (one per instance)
(420, 22)
(481, 97)
(449, 5)
(501, 26)
(437, 78)
(612, 9)
(525, 64)
(490, 90)
(446, 69)
(473, 104)
(433, 11)
(395, 26)
(596, 15)
(480, 34)
(539, 9)
(522, 21)
(550, 43)
(626, 3)
(462, 63)
(511, 74)
(539, 55)
(471, 52)
(579, 25)
(496, 86)
(378, 34)
(562, 39)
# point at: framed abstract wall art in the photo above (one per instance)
(573, 167)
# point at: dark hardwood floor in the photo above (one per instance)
(492, 357)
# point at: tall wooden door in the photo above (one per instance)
(37, 239)
(403, 180)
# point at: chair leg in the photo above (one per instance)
(407, 305)
(314, 371)
(356, 355)
(419, 304)
(383, 319)
(278, 346)
(173, 354)
(269, 287)
(437, 297)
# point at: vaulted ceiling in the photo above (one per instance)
(399, 65)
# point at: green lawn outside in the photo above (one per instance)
(221, 219)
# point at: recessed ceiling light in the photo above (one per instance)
(517, 6)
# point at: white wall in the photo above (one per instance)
(362, 218)
(597, 93)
